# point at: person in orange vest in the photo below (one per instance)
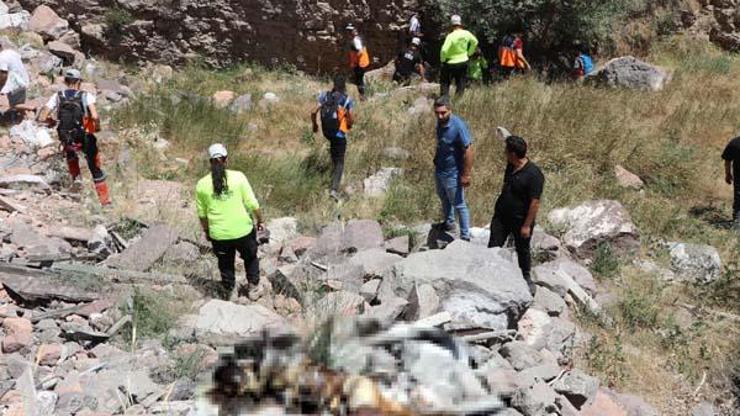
(77, 122)
(359, 59)
(511, 55)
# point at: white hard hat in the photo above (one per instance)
(217, 151)
(456, 20)
(416, 41)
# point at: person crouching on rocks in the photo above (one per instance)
(517, 206)
(228, 209)
(77, 122)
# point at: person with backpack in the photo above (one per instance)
(335, 108)
(453, 162)
(511, 55)
(584, 64)
(458, 47)
(409, 62)
(77, 122)
(359, 60)
(230, 217)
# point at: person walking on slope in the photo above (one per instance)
(14, 81)
(731, 156)
(359, 60)
(511, 55)
(517, 206)
(584, 64)
(335, 108)
(453, 163)
(478, 67)
(77, 122)
(409, 62)
(228, 210)
(458, 47)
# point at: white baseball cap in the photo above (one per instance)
(72, 73)
(456, 20)
(416, 41)
(349, 27)
(217, 151)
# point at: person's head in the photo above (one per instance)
(516, 149)
(4, 72)
(339, 84)
(442, 109)
(456, 21)
(352, 30)
(415, 43)
(72, 78)
(218, 155)
(583, 49)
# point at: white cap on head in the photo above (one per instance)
(456, 20)
(217, 151)
(350, 27)
(3, 67)
(416, 41)
(72, 73)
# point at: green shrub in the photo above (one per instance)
(639, 307)
(605, 356)
(606, 262)
(116, 18)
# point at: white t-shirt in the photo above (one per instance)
(88, 99)
(414, 25)
(357, 43)
(17, 74)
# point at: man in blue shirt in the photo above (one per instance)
(453, 163)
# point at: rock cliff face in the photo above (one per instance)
(306, 33)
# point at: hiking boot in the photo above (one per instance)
(444, 226)
(254, 292)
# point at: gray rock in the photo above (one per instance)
(548, 301)
(15, 20)
(22, 182)
(47, 23)
(268, 100)
(578, 387)
(374, 262)
(396, 153)
(546, 244)
(399, 245)
(218, 319)
(540, 373)
(369, 290)
(535, 400)
(100, 242)
(377, 184)
(504, 381)
(242, 104)
(69, 55)
(539, 331)
(282, 229)
(521, 355)
(592, 223)
(627, 179)
(422, 302)
(182, 252)
(361, 235)
(630, 72)
(558, 277)
(183, 389)
(388, 310)
(46, 402)
(695, 262)
(704, 409)
(342, 303)
(143, 253)
(480, 287)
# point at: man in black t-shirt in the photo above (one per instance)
(731, 156)
(517, 206)
(408, 62)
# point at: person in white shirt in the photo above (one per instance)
(14, 81)
(415, 26)
(77, 122)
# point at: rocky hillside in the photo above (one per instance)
(307, 34)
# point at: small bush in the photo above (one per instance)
(606, 262)
(117, 17)
(605, 356)
(639, 308)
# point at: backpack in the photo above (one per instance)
(70, 113)
(586, 63)
(330, 114)
(508, 42)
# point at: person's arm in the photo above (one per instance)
(45, 113)
(534, 208)
(204, 227)
(520, 56)
(420, 69)
(314, 118)
(94, 116)
(250, 202)
(728, 172)
(472, 45)
(466, 179)
(444, 52)
(202, 210)
(348, 115)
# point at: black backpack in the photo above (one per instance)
(70, 113)
(330, 121)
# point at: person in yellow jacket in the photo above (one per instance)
(228, 210)
(359, 60)
(458, 47)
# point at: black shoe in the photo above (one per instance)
(532, 286)
(444, 226)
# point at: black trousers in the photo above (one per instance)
(501, 231)
(87, 144)
(359, 79)
(736, 203)
(337, 149)
(226, 250)
(456, 72)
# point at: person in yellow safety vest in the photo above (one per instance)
(458, 47)
(359, 60)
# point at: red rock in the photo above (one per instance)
(98, 306)
(18, 334)
(49, 354)
(603, 405)
(47, 23)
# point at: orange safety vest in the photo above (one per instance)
(361, 58)
(507, 57)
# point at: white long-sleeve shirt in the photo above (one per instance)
(17, 74)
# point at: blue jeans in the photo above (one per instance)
(452, 195)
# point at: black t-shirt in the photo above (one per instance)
(407, 62)
(732, 153)
(519, 189)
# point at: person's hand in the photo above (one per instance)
(728, 178)
(465, 181)
(526, 231)
(315, 128)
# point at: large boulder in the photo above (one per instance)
(47, 23)
(538, 330)
(696, 263)
(592, 223)
(560, 277)
(15, 20)
(480, 287)
(219, 320)
(578, 387)
(630, 72)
